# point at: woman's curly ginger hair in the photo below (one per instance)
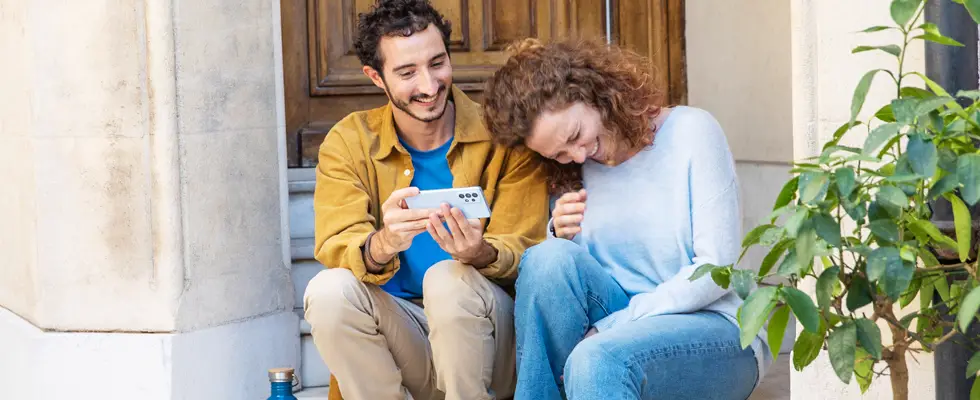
(550, 77)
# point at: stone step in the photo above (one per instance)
(317, 393)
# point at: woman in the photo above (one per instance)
(604, 307)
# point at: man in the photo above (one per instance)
(408, 306)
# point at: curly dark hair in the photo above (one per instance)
(550, 77)
(395, 18)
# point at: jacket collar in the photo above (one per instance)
(469, 125)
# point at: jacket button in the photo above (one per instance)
(408, 172)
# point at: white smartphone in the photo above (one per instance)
(469, 200)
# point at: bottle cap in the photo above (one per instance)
(281, 375)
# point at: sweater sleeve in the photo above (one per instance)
(716, 229)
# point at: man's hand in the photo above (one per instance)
(464, 239)
(401, 225)
(568, 214)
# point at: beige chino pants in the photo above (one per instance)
(459, 345)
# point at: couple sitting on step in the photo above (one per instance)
(591, 303)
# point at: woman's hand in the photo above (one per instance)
(568, 214)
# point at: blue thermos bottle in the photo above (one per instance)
(281, 380)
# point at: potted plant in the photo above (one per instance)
(856, 224)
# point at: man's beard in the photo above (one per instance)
(404, 106)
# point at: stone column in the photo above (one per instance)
(143, 236)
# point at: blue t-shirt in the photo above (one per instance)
(431, 172)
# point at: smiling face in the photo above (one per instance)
(417, 73)
(572, 134)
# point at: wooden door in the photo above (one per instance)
(324, 83)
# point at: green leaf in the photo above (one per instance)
(787, 194)
(973, 366)
(938, 90)
(884, 229)
(892, 198)
(973, 6)
(870, 336)
(803, 308)
(970, 94)
(885, 113)
(807, 348)
(890, 49)
(789, 266)
(923, 156)
(702, 271)
(910, 293)
(943, 40)
(827, 229)
(722, 277)
(968, 309)
(840, 347)
(912, 91)
(968, 173)
(929, 27)
(856, 210)
(825, 287)
(930, 230)
(813, 187)
(903, 109)
(902, 11)
(742, 280)
(754, 313)
(879, 260)
(927, 105)
(928, 259)
(944, 185)
(772, 236)
(947, 159)
(861, 92)
(879, 135)
(755, 234)
(877, 28)
(926, 291)
(806, 247)
(794, 222)
(942, 287)
(845, 179)
(975, 389)
(858, 294)
(863, 364)
(777, 329)
(897, 279)
(962, 223)
(770, 259)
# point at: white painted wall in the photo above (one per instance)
(738, 67)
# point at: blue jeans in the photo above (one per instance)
(562, 290)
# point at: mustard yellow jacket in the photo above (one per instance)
(361, 162)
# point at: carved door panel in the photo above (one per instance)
(324, 82)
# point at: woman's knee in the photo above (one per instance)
(548, 261)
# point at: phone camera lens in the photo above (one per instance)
(461, 195)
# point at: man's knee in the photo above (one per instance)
(452, 283)
(330, 293)
(447, 280)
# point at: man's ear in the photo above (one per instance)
(374, 75)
